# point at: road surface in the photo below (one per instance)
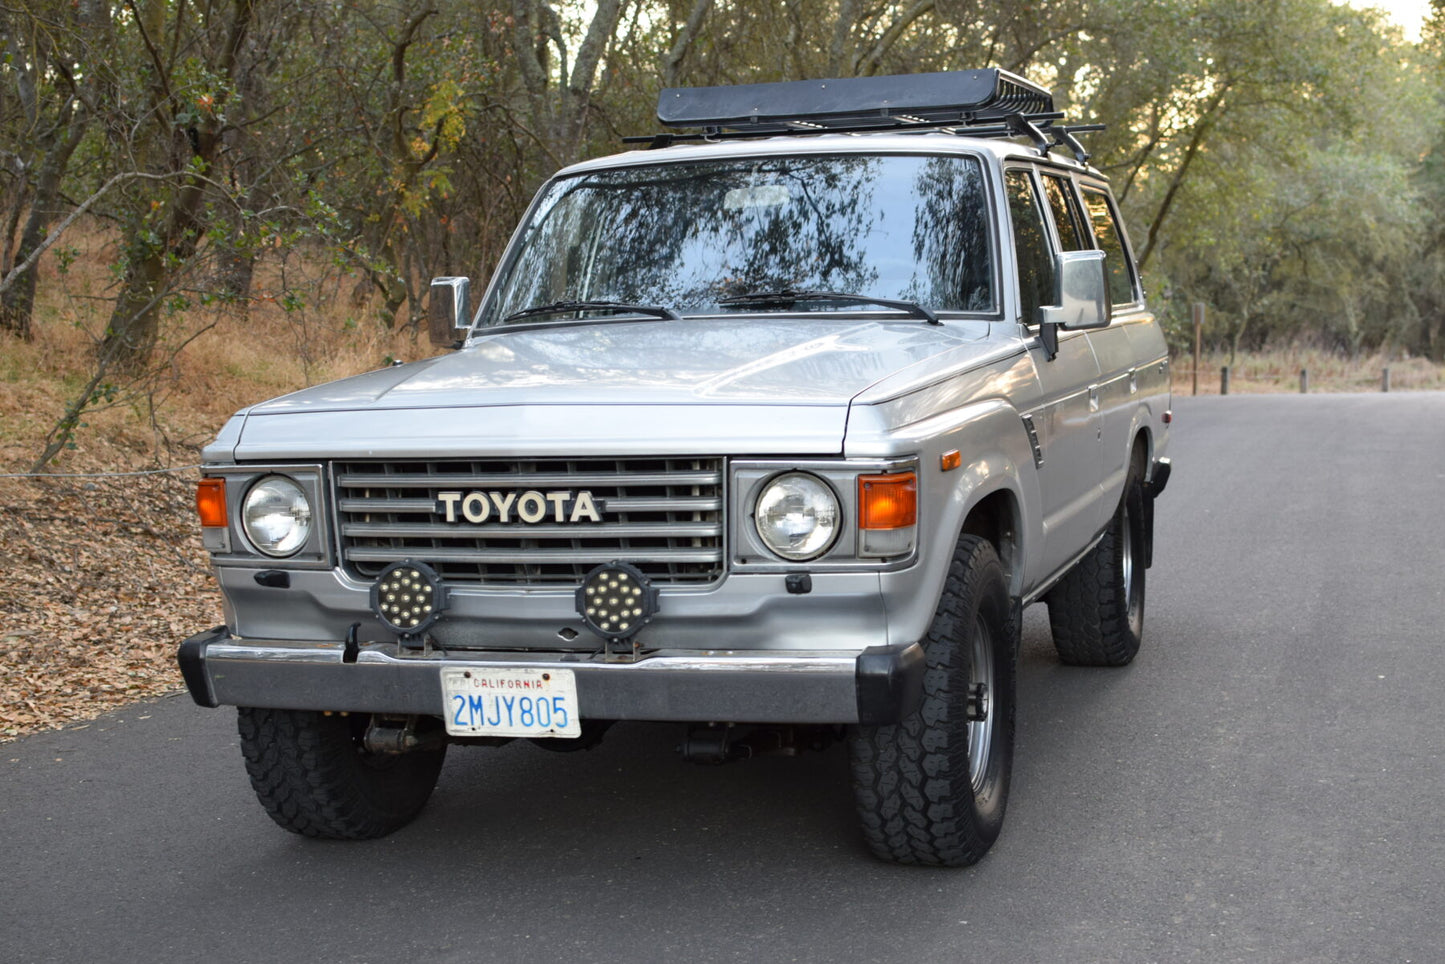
(1265, 782)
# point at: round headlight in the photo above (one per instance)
(276, 516)
(797, 516)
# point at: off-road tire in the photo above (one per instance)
(918, 798)
(314, 777)
(1096, 612)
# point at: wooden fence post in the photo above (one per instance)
(1385, 380)
(1224, 380)
(1196, 312)
(1304, 381)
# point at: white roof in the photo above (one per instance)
(924, 142)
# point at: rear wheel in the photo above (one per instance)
(932, 788)
(315, 777)
(1096, 612)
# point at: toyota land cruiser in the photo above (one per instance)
(770, 428)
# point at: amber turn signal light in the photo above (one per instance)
(211, 502)
(888, 501)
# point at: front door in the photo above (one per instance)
(1065, 422)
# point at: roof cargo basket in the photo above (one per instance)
(977, 103)
(957, 97)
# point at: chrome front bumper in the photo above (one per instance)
(880, 685)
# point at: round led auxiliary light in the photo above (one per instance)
(408, 597)
(616, 600)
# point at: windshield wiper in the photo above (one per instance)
(787, 296)
(557, 307)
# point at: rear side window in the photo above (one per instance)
(1111, 241)
(1066, 214)
(1031, 246)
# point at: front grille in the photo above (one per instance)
(662, 515)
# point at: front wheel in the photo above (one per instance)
(313, 774)
(932, 788)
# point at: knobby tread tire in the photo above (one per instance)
(313, 777)
(911, 781)
(1089, 618)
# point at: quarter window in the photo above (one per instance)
(1066, 214)
(1111, 241)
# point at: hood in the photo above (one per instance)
(788, 361)
(760, 385)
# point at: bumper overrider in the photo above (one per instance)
(878, 686)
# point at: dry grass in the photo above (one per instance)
(1279, 371)
(106, 575)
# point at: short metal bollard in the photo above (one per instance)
(1385, 380)
(1224, 380)
(1304, 381)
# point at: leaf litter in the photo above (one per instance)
(100, 580)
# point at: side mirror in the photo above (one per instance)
(449, 311)
(1082, 298)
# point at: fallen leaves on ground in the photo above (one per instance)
(100, 579)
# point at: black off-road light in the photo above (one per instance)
(408, 597)
(616, 600)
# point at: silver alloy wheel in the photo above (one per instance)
(1126, 557)
(980, 722)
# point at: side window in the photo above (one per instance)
(1066, 214)
(1031, 246)
(1106, 233)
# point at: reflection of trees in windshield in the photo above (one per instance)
(814, 240)
(686, 235)
(950, 238)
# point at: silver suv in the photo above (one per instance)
(771, 430)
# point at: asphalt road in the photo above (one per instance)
(1265, 783)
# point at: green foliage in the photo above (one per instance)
(1279, 160)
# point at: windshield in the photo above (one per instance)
(689, 236)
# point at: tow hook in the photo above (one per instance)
(394, 737)
(724, 743)
(714, 745)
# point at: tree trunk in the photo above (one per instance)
(135, 320)
(559, 111)
(234, 277)
(869, 62)
(17, 304)
(58, 139)
(1202, 128)
(157, 252)
(672, 61)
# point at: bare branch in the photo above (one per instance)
(599, 33)
(524, 48)
(54, 236)
(848, 14)
(672, 61)
(869, 63)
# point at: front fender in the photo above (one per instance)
(996, 457)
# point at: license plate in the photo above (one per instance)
(511, 702)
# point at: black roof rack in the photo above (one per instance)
(978, 103)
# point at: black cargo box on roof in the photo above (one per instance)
(954, 97)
